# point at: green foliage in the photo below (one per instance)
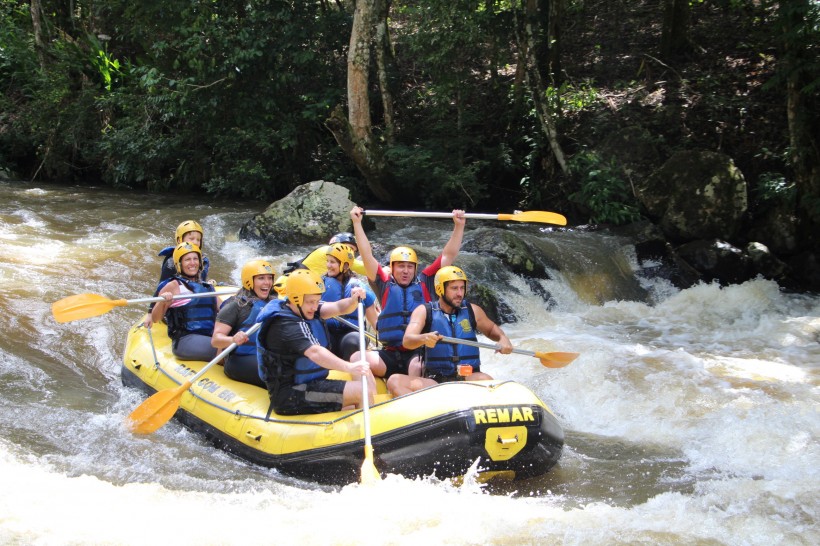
(603, 191)
(775, 188)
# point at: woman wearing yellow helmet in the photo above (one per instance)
(188, 231)
(400, 290)
(238, 314)
(190, 321)
(339, 281)
(294, 354)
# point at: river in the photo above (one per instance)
(690, 418)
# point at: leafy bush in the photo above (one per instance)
(603, 190)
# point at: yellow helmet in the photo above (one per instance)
(279, 286)
(342, 252)
(447, 274)
(403, 254)
(254, 268)
(301, 283)
(186, 248)
(185, 227)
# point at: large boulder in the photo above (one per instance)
(311, 213)
(696, 195)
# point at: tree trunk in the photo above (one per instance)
(801, 111)
(37, 25)
(538, 87)
(384, 65)
(354, 133)
(675, 31)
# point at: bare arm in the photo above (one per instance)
(168, 291)
(371, 265)
(221, 337)
(324, 358)
(343, 306)
(492, 330)
(448, 255)
(413, 336)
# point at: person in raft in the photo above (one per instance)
(188, 231)
(238, 314)
(400, 292)
(450, 316)
(339, 281)
(293, 350)
(190, 321)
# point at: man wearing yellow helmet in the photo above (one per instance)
(293, 355)
(400, 291)
(190, 321)
(450, 316)
(238, 314)
(188, 231)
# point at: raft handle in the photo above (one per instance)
(251, 435)
(513, 440)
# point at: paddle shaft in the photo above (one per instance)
(350, 324)
(179, 297)
(457, 341)
(411, 214)
(370, 473)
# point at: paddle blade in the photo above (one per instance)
(370, 473)
(83, 306)
(156, 411)
(536, 216)
(556, 359)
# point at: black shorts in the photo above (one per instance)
(320, 396)
(398, 361)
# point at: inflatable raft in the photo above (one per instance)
(441, 430)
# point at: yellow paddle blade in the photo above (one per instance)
(556, 359)
(83, 306)
(370, 473)
(537, 216)
(156, 411)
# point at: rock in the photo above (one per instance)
(696, 195)
(507, 247)
(777, 229)
(765, 263)
(717, 260)
(312, 213)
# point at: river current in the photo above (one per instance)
(691, 417)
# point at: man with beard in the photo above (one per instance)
(451, 316)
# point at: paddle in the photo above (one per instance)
(537, 216)
(83, 306)
(348, 323)
(370, 473)
(159, 408)
(550, 360)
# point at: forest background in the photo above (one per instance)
(481, 104)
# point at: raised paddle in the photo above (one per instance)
(537, 216)
(370, 473)
(83, 306)
(550, 360)
(160, 407)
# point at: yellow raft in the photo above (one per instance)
(441, 430)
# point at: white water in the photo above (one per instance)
(694, 420)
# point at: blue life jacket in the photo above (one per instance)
(292, 367)
(198, 316)
(444, 357)
(335, 290)
(397, 305)
(249, 347)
